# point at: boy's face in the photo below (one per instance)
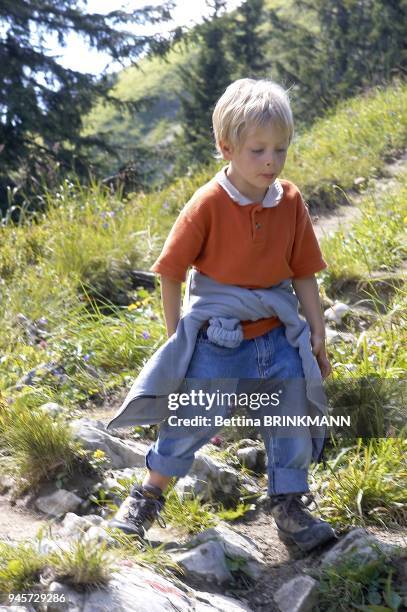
(259, 160)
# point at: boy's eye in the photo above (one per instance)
(261, 150)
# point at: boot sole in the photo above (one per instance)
(125, 528)
(306, 547)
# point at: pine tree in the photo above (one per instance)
(357, 44)
(41, 102)
(202, 83)
(247, 42)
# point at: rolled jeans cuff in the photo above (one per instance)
(287, 480)
(168, 466)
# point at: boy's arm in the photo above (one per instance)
(307, 292)
(171, 300)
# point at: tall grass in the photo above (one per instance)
(367, 484)
(377, 242)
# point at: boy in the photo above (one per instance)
(247, 229)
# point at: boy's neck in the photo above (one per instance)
(246, 190)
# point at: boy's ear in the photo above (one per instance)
(226, 149)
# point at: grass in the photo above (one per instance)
(39, 444)
(373, 586)
(357, 252)
(82, 564)
(366, 484)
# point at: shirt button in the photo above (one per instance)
(258, 225)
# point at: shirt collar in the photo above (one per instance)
(273, 195)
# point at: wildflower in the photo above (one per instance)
(216, 440)
(134, 306)
(86, 357)
(99, 454)
(145, 335)
(166, 205)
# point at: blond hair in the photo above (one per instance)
(246, 103)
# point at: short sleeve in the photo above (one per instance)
(306, 257)
(181, 248)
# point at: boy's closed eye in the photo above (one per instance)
(262, 150)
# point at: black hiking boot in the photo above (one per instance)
(139, 510)
(296, 524)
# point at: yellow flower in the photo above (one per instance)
(134, 306)
(99, 454)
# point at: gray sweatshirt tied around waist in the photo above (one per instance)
(224, 306)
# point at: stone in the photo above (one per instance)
(205, 561)
(247, 457)
(235, 546)
(298, 595)
(334, 337)
(7, 483)
(357, 543)
(141, 589)
(58, 503)
(209, 479)
(17, 609)
(220, 603)
(73, 524)
(72, 598)
(52, 408)
(336, 312)
(93, 436)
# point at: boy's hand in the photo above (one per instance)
(318, 348)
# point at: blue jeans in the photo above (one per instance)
(266, 364)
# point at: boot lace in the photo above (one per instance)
(298, 508)
(148, 509)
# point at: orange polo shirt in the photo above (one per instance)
(250, 246)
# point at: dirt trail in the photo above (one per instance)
(344, 216)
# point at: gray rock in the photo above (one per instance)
(98, 534)
(205, 561)
(73, 600)
(356, 543)
(138, 589)
(336, 312)
(209, 478)
(45, 546)
(220, 603)
(235, 547)
(298, 595)
(17, 608)
(334, 337)
(74, 524)
(111, 482)
(248, 457)
(7, 482)
(58, 503)
(52, 408)
(132, 587)
(93, 436)
(189, 485)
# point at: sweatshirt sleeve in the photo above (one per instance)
(181, 248)
(306, 257)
